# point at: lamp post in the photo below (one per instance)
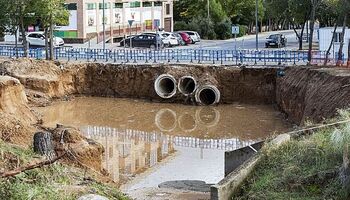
(256, 26)
(103, 25)
(208, 12)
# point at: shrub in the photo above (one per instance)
(180, 25)
(223, 29)
(243, 30)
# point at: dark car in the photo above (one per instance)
(186, 38)
(276, 40)
(143, 40)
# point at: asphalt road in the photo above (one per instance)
(246, 42)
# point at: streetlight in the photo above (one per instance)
(256, 26)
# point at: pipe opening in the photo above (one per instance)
(165, 86)
(187, 85)
(208, 95)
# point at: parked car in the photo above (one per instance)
(276, 40)
(143, 40)
(179, 38)
(186, 38)
(38, 39)
(169, 39)
(194, 36)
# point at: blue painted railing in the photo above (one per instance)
(263, 57)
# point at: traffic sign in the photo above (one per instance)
(235, 29)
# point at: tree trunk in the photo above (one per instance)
(16, 42)
(330, 45)
(51, 39)
(312, 24)
(341, 46)
(46, 44)
(24, 38)
(43, 144)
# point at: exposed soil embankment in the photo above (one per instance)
(313, 94)
(44, 80)
(16, 117)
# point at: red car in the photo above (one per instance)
(187, 38)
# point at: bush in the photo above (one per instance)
(223, 29)
(180, 25)
(243, 30)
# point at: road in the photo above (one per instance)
(245, 42)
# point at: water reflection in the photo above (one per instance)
(138, 135)
(130, 152)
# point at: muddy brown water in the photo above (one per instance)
(149, 143)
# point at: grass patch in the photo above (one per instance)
(57, 181)
(307, 168)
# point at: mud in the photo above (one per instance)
(313, 94)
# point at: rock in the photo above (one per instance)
(92, 197)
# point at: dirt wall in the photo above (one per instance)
(313, 94)
(55, 80)
(16, 117)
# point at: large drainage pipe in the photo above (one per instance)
(165, 86)
(207, 95)
(187, 85)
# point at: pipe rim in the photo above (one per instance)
(182, 127)
(208, 87)
(157, 82)
(158, 117)
(212, 123)
(180, 88)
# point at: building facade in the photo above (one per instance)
(86, 18)
(325, 37)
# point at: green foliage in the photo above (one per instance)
(56, 181)
(223, 29)
(300, 169)
(180, 25)
(243, 30)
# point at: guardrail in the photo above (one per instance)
(262, 57)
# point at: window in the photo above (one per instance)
(91, 6)
(135, 4)
(71, 6)
(167, 9)
(118, 5)
(106, 6)
(337, 37)
(147, 4)
(158, 3)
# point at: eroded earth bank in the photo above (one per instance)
(301, 93)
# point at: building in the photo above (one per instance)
(325, 38)
(86, 18)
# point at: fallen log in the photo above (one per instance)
(31, 166)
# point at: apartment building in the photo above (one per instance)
(86, 18)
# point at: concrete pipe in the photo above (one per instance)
(187, 85)
(207, 95)
(165, 86)
(166, 120)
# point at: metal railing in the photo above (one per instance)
(262, 57)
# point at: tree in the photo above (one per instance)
(314, 6)
(14, 16)
(50, 13)
(345, 13)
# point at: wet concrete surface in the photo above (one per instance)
(147, 144)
